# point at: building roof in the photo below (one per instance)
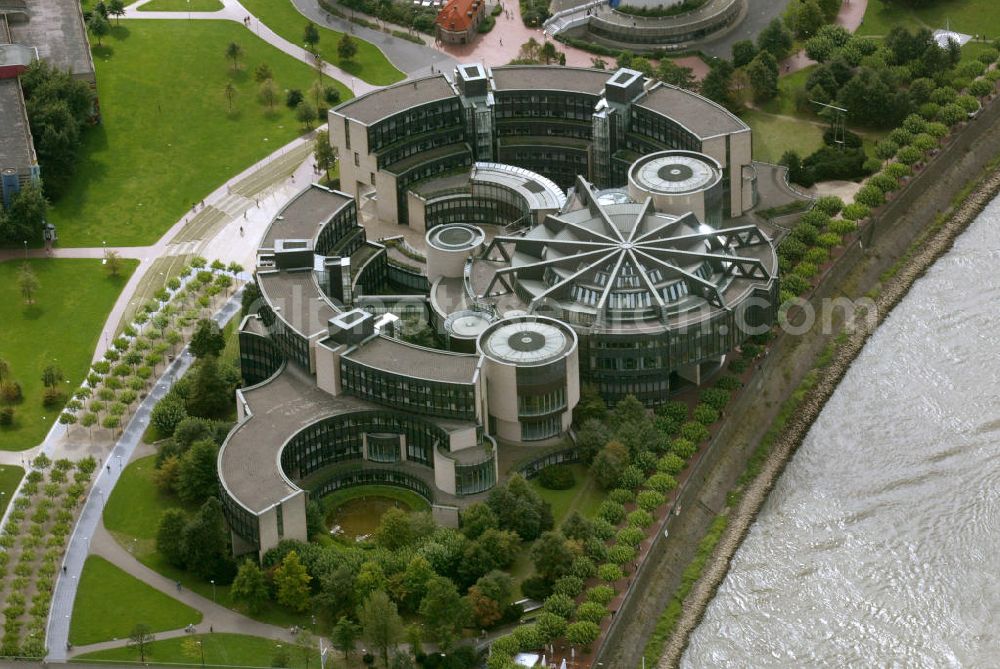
(699, 115)
(396, 357)
(16, 148)
(56, 29)
(385, 102)
(297, 299)
(536, 78)
(458, 15)
(304, 216)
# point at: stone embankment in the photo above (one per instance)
(938, 243)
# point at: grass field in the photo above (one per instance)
(181, 6)
(410, 499)
(109, 603)
(10, 476)
(370, 64)
(773, 135)
(132, 515)
(585, 496)
(60, 328)
(167, 138)
(974, 17)
(232, 650)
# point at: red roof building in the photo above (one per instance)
(457, 21)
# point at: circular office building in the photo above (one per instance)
(448, 247)
(532, 385)
(679, 182)
(462, 328)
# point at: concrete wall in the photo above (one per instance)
(294, 522)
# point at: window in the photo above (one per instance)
(357, 160)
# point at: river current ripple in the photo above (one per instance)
(880, 544)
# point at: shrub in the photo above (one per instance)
(6, 416)
(610, 572)
(818, 255)
(582, 633)
(569, 585)
(685, 448)
(694, 432)
(621, 554)
(908, 156)
(630, 536)
(705, 414)
(600, 594)
(791, 248)
(611, 511)
(528, 637)
(650, 500)
(884, 182)
(556, 477)
(631, 477)
(886, 149)
(729, 383)
(671, 463)
(674, 410)
(840, 227)
(640, 518)
(583, 567)
(10, 392)
(661, 483)
(900, 136)
(870, 196)
(602, 529)
(622, 495)
(856, 211)
(560, 605)
(897, 170)
(591, 611)
(829, 240)
(717, 398)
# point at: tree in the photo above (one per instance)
(197, 479)
(347, 48)
(743, 52)
(139, 638)
(170, 536)
(207, 340)
(116, 8)
(230, 92)
(98, 26)
(325, 154)
(210, 395)
(548, 52)
(268, 93)
(809, 19)
(206, 543)
(476, 519)
(670, 72)
(113, 263)
(292, 583)
(52, 376)
(234, 52)
(343, 637)
(763, 73)
(27, 283)
(262, 73)
(718, 83)
(168, 413)
(444, 611)
(24, 218)
(293, 98)
(775, 38)
(380, 623)
(519, 508)
(609, 464)
(552, 556)
(310, 35)
(305, 113)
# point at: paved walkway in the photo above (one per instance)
(89, 525)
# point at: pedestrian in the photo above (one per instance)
(178, 586)
(109, 469)
(501, 42)
(64, 569)
(244, 214)
(210, 630)
(241, 231)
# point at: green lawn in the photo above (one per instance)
(181, 6)
(136, 503)
(369, 64)
(167, 138)
(109, 603)
(414, 501)
(585, 496)
(772, 136)
(220, 649)
(967, 16)
(132, 515)
(10, 476)
(60, 328)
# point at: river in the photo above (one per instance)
(880, 543)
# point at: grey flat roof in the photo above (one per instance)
(396, 357)
(16, 148)
(56, 28)
(249, 460)
(699, 115)
(303, 217)
(550, 77)
(301, 303)
(393, 99)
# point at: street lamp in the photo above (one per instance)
(119, 463)
(213, 590)
(25, 249)
(201, 647)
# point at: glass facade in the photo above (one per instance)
(383, 448)
(431, 118)
(291, 344)
(434, 398)
(560, 457)
(544, 428)
(457, 160)
(358, 476)
(242, 522)
(341, 235)
(259, 358)
(475, 478)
